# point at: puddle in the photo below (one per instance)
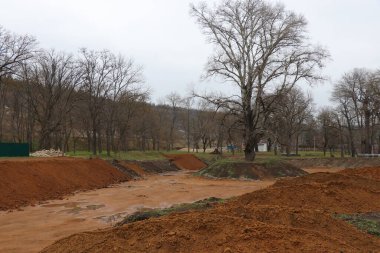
(66, 205)
(78, 209)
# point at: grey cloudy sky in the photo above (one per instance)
(161, 36)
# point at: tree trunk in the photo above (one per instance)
(288, 145)
(367, 115)
(94, 141)
(249, 150)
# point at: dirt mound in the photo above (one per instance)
(186, 161)
(126, 168)
(134, 167)
(28, 181)
(226, 230)
(324, 191)
(156, 167)
(249, 170)
(371, 173)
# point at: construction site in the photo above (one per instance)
(224, 126)
(178, 204)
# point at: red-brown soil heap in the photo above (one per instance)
(257, 222)
(371, 173)
(186, 161)
(28, 181)
(333, 192)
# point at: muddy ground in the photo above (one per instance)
(292, 215)
(36, 227)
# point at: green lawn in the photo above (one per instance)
(209, 158)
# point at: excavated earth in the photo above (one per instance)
(186, 161)
(293, 215)
(29, 181)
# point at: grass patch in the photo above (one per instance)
(367, 222)
(227, 168)
(154, 213)
(129, 155)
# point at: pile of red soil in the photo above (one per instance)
(186, 161)
(29, 181)
(222, 232)
(257, 222)
(371, 173)
(333, 192)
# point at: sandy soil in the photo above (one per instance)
(36, 227)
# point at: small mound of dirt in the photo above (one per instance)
(126, 169)
(186, 161)
(250, 170)
(28, 181)
(155, 167)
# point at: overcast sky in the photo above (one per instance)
(162, 37)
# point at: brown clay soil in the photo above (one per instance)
(29, 181)
(38, 226)
(332, 192)
(293, 215)
(371, 173)
(186, 161)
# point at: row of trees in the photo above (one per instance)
(47, 97)
(353, 123)
(93, 100)
(97, 100)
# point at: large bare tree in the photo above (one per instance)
(14, 50)
(263, 50)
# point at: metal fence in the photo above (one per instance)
(14, 149)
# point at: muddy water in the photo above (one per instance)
(33, 228)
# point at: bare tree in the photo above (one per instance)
(14, 50)
(290, 115)
(125, 78)
(51, 82)
(97, 70)
(357, 96)
(174, 101)
(331, 129)
(263, 50)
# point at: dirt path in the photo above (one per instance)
(34, 228)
